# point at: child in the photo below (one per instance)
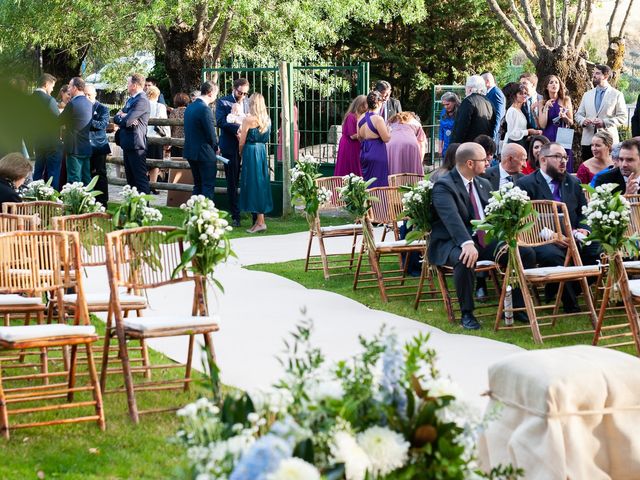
(237, 114)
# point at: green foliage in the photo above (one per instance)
(418, 208)
(134, 211)
(78, 198)
(355, 196)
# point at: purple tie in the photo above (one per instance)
(476, 214)
(556, 190)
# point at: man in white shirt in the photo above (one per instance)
(510, 167)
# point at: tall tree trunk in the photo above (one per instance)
(615, 58)
(64, 64)
(184, 58)
(567, 64)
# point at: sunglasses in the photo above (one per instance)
(241, 94)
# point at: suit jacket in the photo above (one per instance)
(48, 144)
(134, 137)
(499, 102)
(228, 139)
(392, 107)
(613, 111)
(493, 175)
(200, 141)
(571, 193)
(453, 213)
(76, 118)
(98, 129)
(612, 176)
(7, 192)
(475, 117)
(635, 120)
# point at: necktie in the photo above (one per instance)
(509, 179)
(532, 117)
(476, 214)
(556, 190)
(599, 95)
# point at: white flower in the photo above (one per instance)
(345, 449)
(387, 450)
(295, 469)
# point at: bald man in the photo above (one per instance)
(510, 167)
(459, 197)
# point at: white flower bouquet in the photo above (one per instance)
(78, 198)
(304, 190)
(134, 210)
(39, 190)
(355, 196)
(417, 207)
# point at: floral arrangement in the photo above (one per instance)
(386, 413)
(205, 229)
(134, 211)
(354, 194)
(417, 207)
(304, 190)
(39, 190)
(78, 198)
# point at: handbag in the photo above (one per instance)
(159, 130)
(564, 137)
(117, 137)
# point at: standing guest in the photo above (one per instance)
(373, 133)
(47, 153)
(555, 110)
(536, 142)
(156, 151)
(152, 82)
(348, 160)
(180, 102)
(99, 144)
(404, 149)
(133, 120)
(517, 127)
(14, 170)
(229, 141)
(530, 81)
(615, 157)
(489, 146)
(601, 145)
(201, 142)
(627, 175)
(76, 119)
(450, 103)
(498, 100)
(255, 184)
(602, 107)
(635, 120)
(448, 162)
(509, 170)
(475, 115)
(390, 106)
(63, 97)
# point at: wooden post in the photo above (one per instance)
(286, 71)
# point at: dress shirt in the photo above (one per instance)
(476, 196)
(549, 181)
(505, 177)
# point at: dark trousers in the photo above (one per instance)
(135, 168)
(232, 172)
(47, 166)
(204, 177)
(464, 277)
(99, 168)
(586, 153)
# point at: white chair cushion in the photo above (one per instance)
(634, 264)
(634, 287)
(103, 298)
(149, 324)
(485, 263)
(13, 299)
(400, 243)
(337, 228)
(557, 271)
(34, 332)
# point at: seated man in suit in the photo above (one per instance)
(627, 175)
(509, 169)
(459, 197)
(551, 182)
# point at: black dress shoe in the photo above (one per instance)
(235, 223)
(521, 317)
(469, 322)
(571, 309)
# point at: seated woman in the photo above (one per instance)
(601, 145)
(448, 163)
(404, 149)
(373, 134)
(14, 170)
(533, 153)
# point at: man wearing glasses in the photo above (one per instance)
(229, 141)
(551, 182)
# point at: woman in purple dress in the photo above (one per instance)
(373, 134)
(348, 160)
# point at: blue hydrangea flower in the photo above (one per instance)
(392, 371)
(289, 430)
(261, 459)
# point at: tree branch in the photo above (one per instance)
(513, 31)
(553, 21)
(531, 21)
(213, 21)
(624, 20)
(201, 17)
(217, 51)
(582, 34)
(576, 25)
(563, 28)
(520, 19)
(547, 30)
(161, 33)
(612, 18)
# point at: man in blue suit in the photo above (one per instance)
(229, 142)
(200, 141)
(48, 152)
(133, 120)
(99, 144)
(76, 118)
(497, 99)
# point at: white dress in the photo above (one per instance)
(516, 125)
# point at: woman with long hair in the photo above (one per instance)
(255, 184)
(180, 102)
(448, 162)
(517, 131)
(601, 146)
(348, 160)
(373, 133)
(536, 142)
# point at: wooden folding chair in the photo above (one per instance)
(143, 259)
(316, 230)
(550, 225)
(44, 210)
(12, 223)
(47, 258)
(404, 179)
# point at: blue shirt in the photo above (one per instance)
(446, 127)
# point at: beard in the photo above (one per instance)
(554, 173)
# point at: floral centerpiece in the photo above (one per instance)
(417, 207)
(39, 190)
(134, 210)
(78, 198)
(386, 413)
(355, 196)
(304, 190)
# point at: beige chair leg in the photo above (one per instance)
(97, 392)
(187, 370)
(4, 415)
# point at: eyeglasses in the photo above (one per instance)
(241, 94)
(558, 156)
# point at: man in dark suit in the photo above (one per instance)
(475, 114)
(76, 119)
(48, 154)
(200, 141)
(635, 120)
(551, 182)
(133, 120)
(390, 106)
(530, 81)
(229, 147)
(499, 102)
(459, 197)
(99, 144)
(509, 169)
(627, 175)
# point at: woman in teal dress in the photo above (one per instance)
(255, 185)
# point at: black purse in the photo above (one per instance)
(117, 137)
(158, 129)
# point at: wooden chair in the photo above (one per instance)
(44, 210)
(633, 198)
(143, 258)
(404, 179)
(550, 225)
(47, 258)
(12, 223)
(316, 230)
